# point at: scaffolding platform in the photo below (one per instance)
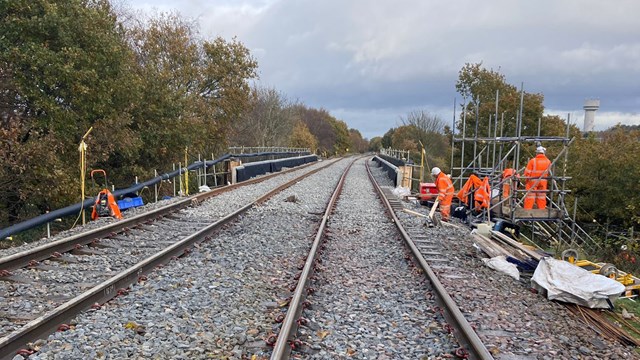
(531, 214)
(488, 156)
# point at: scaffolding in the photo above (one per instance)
(553, 226)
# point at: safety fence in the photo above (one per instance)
(206, 174)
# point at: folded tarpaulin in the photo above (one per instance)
(569, 283)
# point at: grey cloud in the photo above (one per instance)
(358, 56)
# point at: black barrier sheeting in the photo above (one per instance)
(392, 172)
(394, 161)
(250, 170)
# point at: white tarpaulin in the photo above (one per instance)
(501, 264)
(401, 192)
(569, 283)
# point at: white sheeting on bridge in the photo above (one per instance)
(569, 283)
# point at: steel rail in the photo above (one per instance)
(463, 331)
(113, 287)
(282, 346)
(45, 251)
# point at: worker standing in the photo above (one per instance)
(445, 192)
(509, 178)
(536, 173)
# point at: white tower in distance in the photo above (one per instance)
(590, 107)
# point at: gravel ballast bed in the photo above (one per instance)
(218, 301)
(58, 281)
(369, 301)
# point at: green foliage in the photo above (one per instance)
(375, 144)
(606, 174)
(301, 137)
(387, 138)
(148, 91)
(479, 86)
(359, 145)
(341, 131)
(191, 89)
(65, 66)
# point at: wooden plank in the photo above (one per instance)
(487, 246)
(521, 213)
(504, 238)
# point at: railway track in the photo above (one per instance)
(355, 252)
(45, 286)
(367, 293)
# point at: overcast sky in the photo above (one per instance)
(370, 62)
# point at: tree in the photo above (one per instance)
(318, 121)
(358, 144)
(147, 91)
(343, 142)
(192, 91)
(428, 129)
(301, 137)
(66, 66)
(267, 121)
(387, 141)
(605, 175)
(375, 144)
(479, 86)
(405, 138)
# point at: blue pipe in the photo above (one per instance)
(76, 208)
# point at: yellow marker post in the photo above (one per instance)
(82, 148)
(186, 172)
(422, 165)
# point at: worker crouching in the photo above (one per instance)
(536, 172)
(445, 192)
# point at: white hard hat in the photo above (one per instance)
(540, 150)
(435, 171)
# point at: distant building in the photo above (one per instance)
(590, 107)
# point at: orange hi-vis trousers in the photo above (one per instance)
(445, 195)
(538, 194)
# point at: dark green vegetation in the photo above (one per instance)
(149, 88)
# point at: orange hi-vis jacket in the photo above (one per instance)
(506, 185)
(482, 196)
(472, 184)
(445, 195)
(481, 189)
(445, 188)
(536, 172)
(537, 167)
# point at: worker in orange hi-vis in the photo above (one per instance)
(482, 197)
(445, 192)
(469, 187)
(536, 172)
(509, 177)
